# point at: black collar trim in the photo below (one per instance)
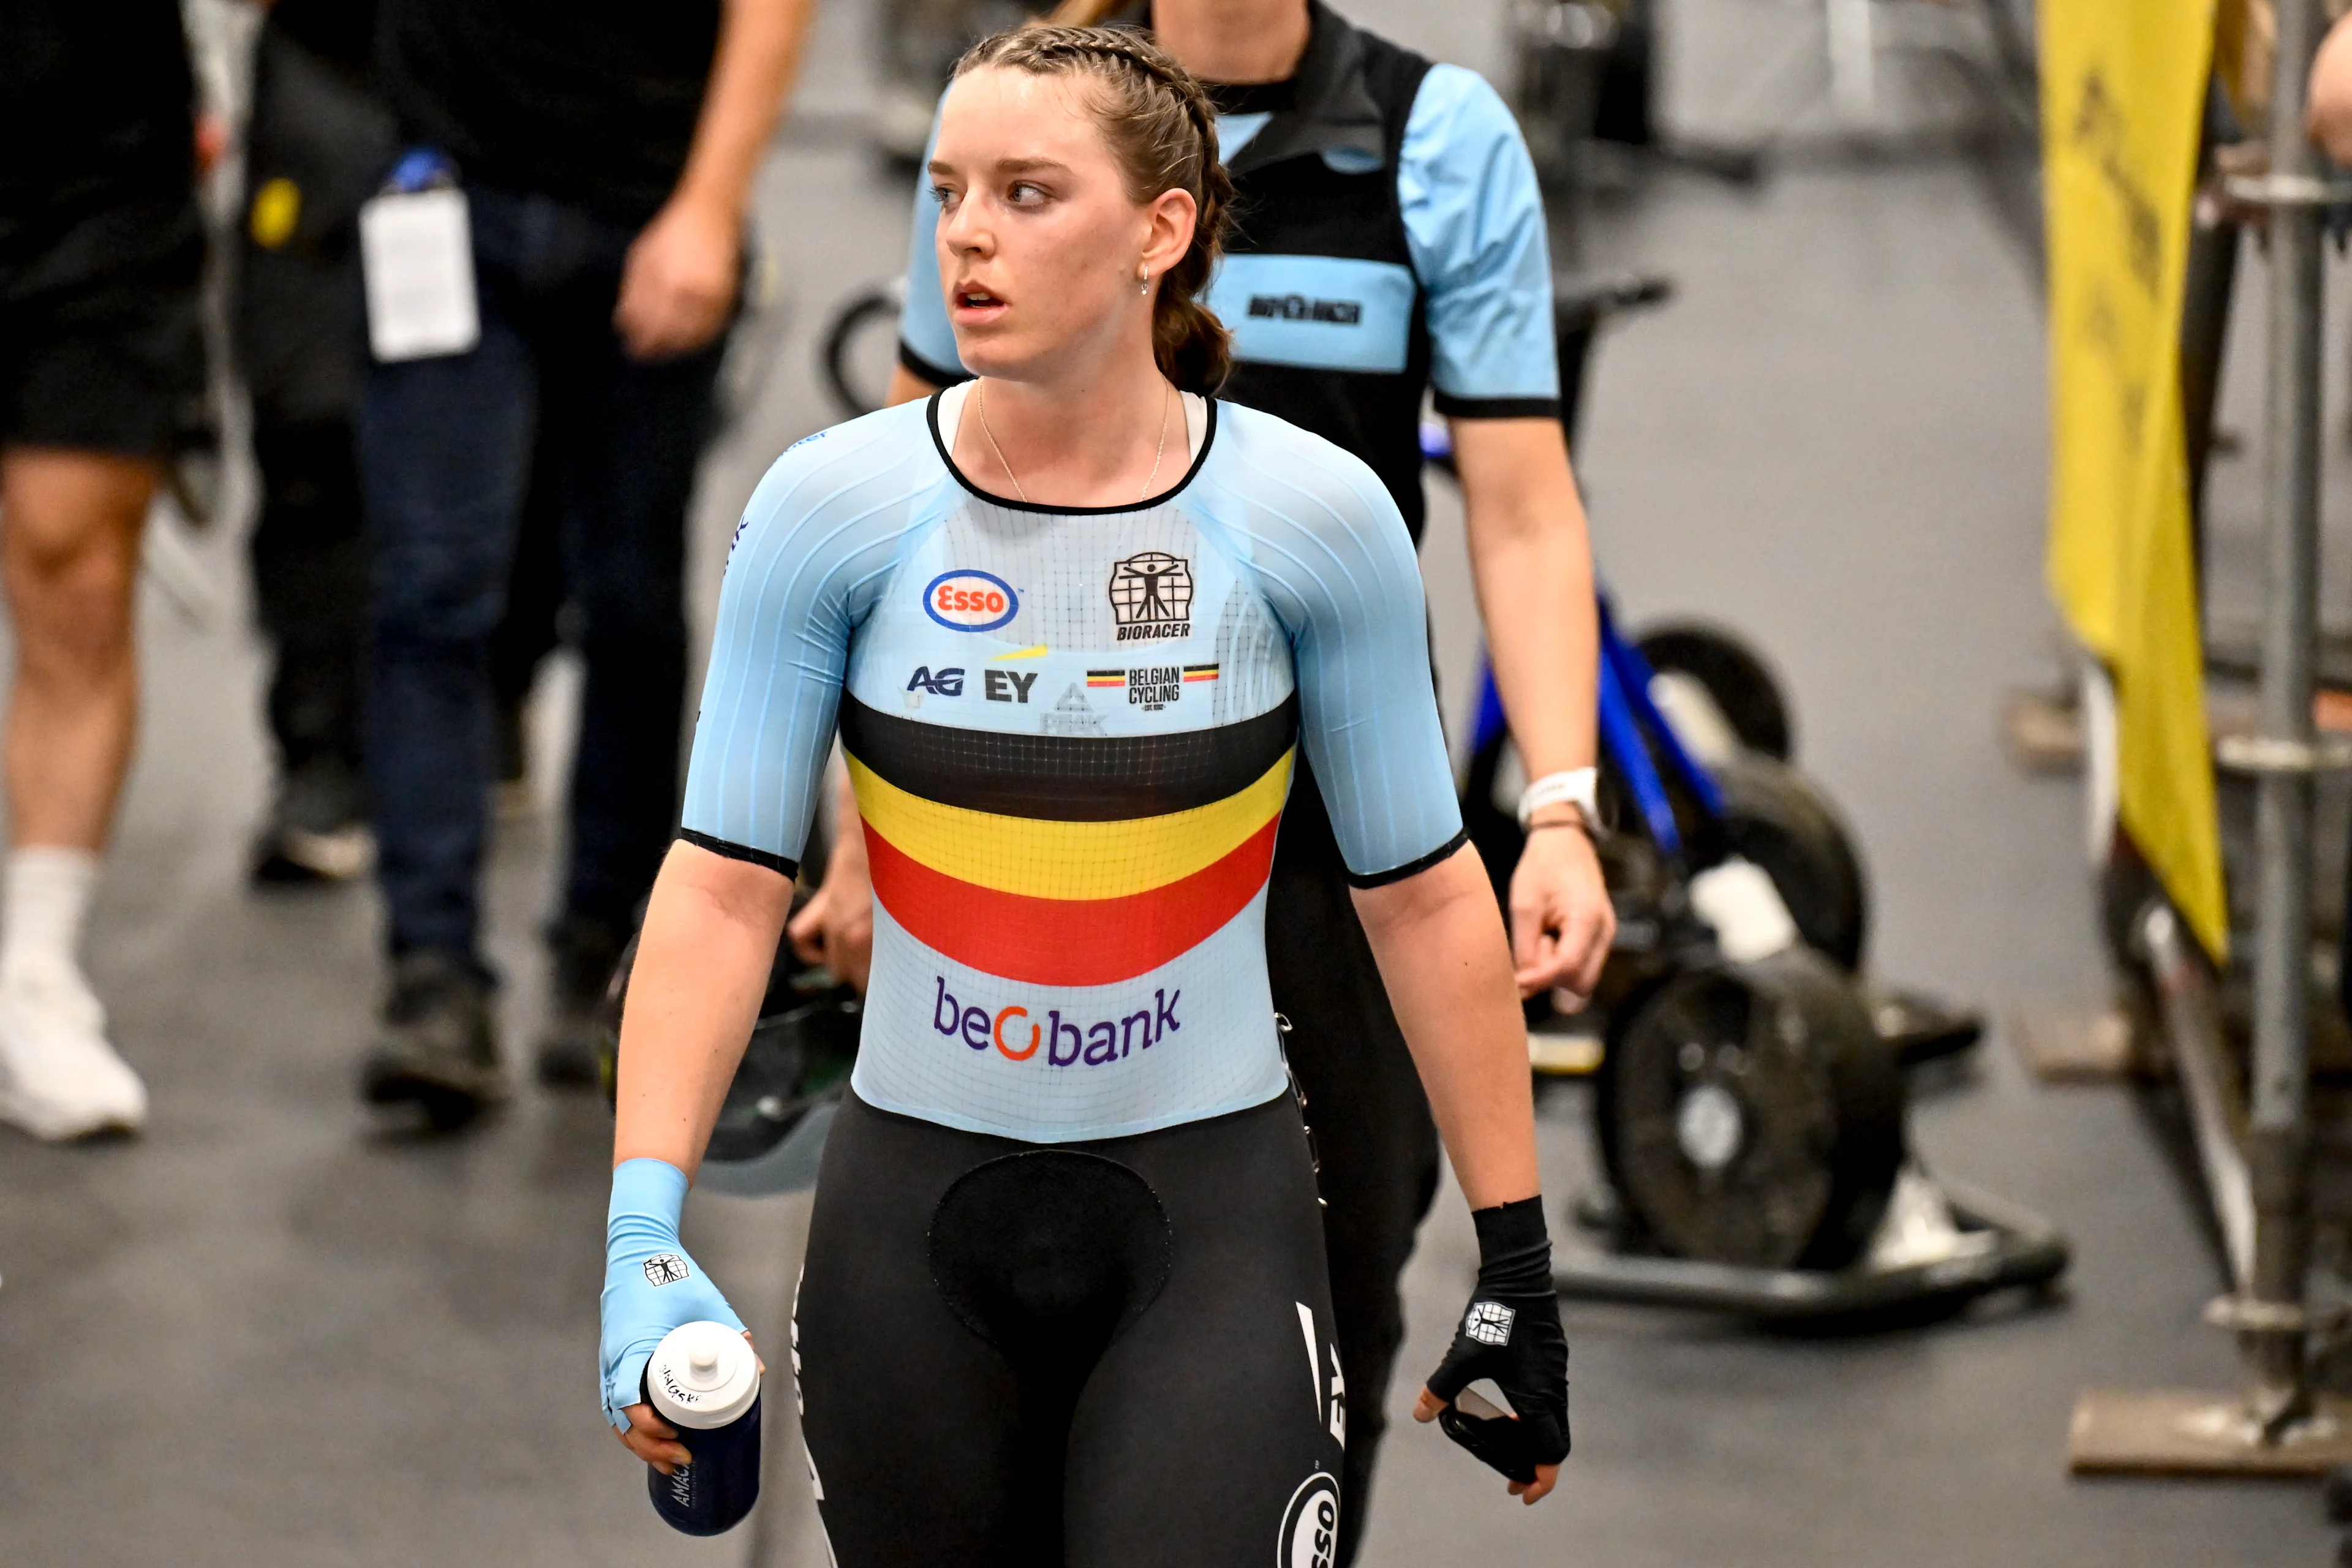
(1329, 106)
(939, 442)
(1334, 110)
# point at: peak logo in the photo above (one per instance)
(1059, 1042)
(971, 601)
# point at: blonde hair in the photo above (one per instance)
(1163, 132)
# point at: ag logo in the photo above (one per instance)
(1152, 596)
(946, 682)
(1310, 1525)
(971, 601)
(665, 1269)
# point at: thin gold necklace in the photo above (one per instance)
(979, 396)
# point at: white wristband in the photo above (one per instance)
(1577, 788)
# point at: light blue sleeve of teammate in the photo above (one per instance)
(1332, 556)
(815, 541)
(651, 1285)
(927, 344)
(1474, 221)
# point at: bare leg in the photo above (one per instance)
(69, 526)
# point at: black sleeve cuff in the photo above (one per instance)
(785, 868)
(1412, 867)
(915, 364)
(1514, 1249)
(1495, 407)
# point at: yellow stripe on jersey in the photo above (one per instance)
(1047, 859)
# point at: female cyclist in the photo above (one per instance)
(1064, 1298)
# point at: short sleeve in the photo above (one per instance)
(1332, 556)
(800, 577)
(1475, 224)
(927, 344)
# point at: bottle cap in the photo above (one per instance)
(702, 1375)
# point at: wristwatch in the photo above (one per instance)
(1579, 787)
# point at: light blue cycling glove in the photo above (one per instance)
(651, 1285)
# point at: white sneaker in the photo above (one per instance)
(59, 1078)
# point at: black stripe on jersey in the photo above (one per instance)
(1068, 778)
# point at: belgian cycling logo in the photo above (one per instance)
(665, 1269)
(1488, 1322)
(1299, 308)
(1310, 1525)
(971, 601)
(1152, 596)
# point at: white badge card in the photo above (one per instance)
(416, 254)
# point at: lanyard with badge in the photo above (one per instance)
(417, 256)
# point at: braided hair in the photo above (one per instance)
(1163, 133)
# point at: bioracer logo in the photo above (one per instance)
(1299, 308)
(1152, 596)
(1018, 1037)
(971, 601)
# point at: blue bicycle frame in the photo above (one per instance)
(1633, 733)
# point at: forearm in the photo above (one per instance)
(1438, 939)
(758, 55)
(1531, 561)
(703, 959)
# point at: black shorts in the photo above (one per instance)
(102, 338)
(1090, 1354)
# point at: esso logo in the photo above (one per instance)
(971, 601)
(1310, 1525)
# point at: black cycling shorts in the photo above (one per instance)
(1091, 1354)
(101, 337)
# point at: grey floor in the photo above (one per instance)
(268, 1334)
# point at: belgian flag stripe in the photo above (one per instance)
(1070, 778)
(1067, 941)
(1069, 860)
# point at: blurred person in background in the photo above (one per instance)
(319, 140)
(607, 155)
(102, 370)
(1390, 243)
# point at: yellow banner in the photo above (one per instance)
(2123, 91)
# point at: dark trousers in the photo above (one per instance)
(446, 454)
(1373, 1136)
(309, 580)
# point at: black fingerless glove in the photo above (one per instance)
(1510, 1332)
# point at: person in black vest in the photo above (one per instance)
(1390, 243)
(607, 153)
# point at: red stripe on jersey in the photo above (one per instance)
(1067, 941)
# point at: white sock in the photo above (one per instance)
(44, 899)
